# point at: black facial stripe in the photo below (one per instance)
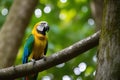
(41, 32)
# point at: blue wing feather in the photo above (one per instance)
(28, 48)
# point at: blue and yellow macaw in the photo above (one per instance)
(36, 46)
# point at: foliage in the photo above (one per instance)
(70, 21)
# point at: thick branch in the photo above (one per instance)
(57, 58)
(13, 30)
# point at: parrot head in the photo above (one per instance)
(41, 28)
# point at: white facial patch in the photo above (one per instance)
(40, 28)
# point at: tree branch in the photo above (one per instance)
(57, 58)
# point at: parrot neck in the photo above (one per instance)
(40, 36)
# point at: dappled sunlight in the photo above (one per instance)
(4, 11)
(38, 13)
(76, 71)
(94, 73)
(47, 9)
(67, 15)
(91, 22)
(79, 78)
(46, 78)
(81, 1)
(66, 77)
(63, 1)
(60, 65)
(95, 58)
(82, 67)
(84, 9)
(89, 71)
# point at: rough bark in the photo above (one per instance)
(13, 30)
(109, 53)
(57, 58)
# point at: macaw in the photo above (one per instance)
(36, 46)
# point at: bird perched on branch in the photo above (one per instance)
(36, 46)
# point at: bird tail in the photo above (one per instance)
(31, 77)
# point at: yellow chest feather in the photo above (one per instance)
(38, 48)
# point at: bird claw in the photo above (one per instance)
(14, 67)
(33, 60)
(43, 57)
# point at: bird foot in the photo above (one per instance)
(32, 60)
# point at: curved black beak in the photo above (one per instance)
(47, 28)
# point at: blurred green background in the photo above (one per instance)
(69, 21)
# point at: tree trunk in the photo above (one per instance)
(109, 48)
(13, 30)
